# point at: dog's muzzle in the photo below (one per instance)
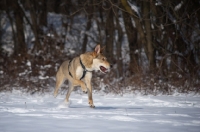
(104, 70)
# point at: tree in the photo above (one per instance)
(89, 14)
(109, 31)
(149, 45)
(20, 45)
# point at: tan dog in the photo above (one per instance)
(79, 72)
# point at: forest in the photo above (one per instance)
(153, 45)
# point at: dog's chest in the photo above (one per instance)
(79, 71)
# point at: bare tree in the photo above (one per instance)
(20, 45)
(89, 14)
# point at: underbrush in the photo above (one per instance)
(36, 73)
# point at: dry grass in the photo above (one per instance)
(24, 72)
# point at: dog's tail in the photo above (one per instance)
(59, 81)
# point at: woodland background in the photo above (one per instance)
(154, 45)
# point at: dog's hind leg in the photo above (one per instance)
(59, 81)
(71, 87)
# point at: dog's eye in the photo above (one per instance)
(103, 59)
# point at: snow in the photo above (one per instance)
(158, 2)
(20, 112)
(42, 78)
(134, 8)
(28, 63)
(178, 6)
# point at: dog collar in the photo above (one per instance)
(84, 69)
(68, 68)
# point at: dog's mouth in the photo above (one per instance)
(103, 69)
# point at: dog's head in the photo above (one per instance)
(100, 61)
(96, 60)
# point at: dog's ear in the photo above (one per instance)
(97, 49)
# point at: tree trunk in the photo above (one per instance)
(132, 39)
(20, 46)
(132, 35)
(137, 20)
(109, 36)
(32, 5)
(85, 39)
(147, 22)
(43, 13)
(99, 24)
(119, 48)
(12, 25)
(57, 6)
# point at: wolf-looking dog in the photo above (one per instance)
(78, 71)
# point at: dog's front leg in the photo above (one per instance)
(89, 86)
(90, 100)
(80, 83)
(73, 83)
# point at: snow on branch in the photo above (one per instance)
(134, 8)
(177, 7)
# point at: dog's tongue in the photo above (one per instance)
(103, 68)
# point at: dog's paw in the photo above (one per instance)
(55, 95)
(92, 106)
(64, 104)
(85, 92)
(90, 102)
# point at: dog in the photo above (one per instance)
(78, 72)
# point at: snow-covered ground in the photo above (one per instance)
(20, 112)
